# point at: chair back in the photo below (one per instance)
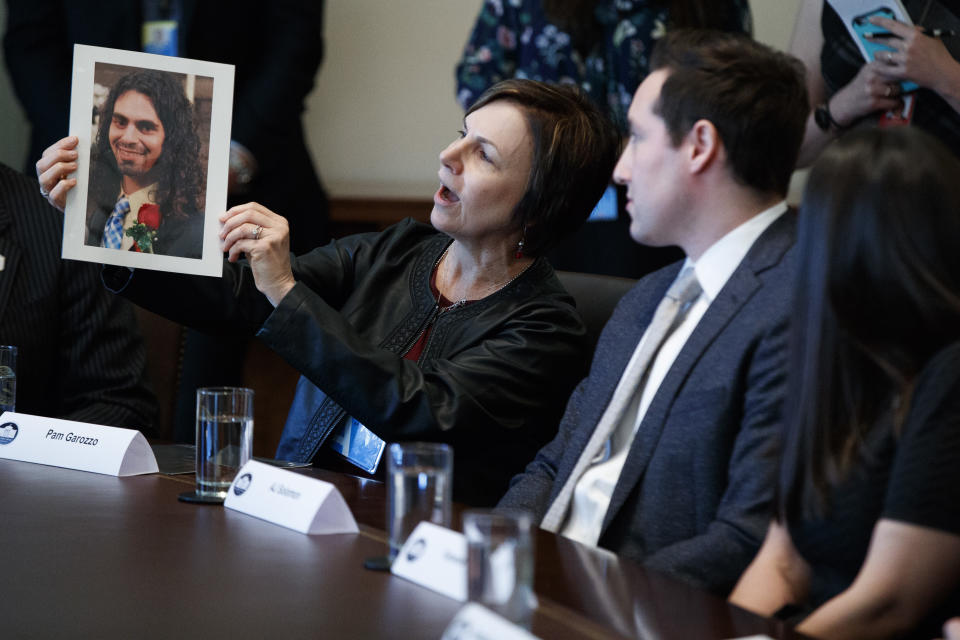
(596, 297)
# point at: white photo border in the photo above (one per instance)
(85, 59)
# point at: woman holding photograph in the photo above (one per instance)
(457, 333)
(866, 539)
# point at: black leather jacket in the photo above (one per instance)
(492, 380)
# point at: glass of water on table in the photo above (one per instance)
(419, 487)
(224, 440)
(8, 378)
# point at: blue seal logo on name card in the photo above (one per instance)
(242, 484)
(416, 550)
(8, 432)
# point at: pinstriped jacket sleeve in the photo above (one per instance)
(80, 353)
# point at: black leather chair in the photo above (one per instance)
(596, 297)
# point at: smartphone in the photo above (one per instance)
(873, 45)
(358, 445)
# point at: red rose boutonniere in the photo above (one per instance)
(144, 229)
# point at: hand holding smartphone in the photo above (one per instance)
(872, 38)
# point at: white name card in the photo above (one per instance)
(476, 622)
(435, 558)
(75, 445)
(290, 500)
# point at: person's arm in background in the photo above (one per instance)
(778, 576)
(276, 81)
(908, 570)
(866, 93)
(39, 58)
(102, 355)
(489, 56)
(531, 490)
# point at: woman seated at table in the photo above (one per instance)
(458, 333)
(867, 531)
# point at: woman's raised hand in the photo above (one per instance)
(264, 237)
(54, 167)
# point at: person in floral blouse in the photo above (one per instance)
(603, 46)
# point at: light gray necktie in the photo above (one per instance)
(681, 292)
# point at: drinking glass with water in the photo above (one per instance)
(224, 437)
(419, 487)
(8, 378)
(500, 563)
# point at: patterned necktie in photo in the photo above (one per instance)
(113, 230)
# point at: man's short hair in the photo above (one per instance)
(575, 147)
(179, 173)
(755, 96)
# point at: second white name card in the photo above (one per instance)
(290, 500)
(75, 445)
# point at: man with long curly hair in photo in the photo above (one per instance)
(145, 174)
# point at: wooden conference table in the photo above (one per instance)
(87, 555)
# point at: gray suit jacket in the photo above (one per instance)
(695, 493)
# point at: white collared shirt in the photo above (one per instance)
(592, 494)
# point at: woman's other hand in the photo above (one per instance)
(871, 90)
(54, 167)
(264, 237)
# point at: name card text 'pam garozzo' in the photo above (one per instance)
(292, 500)
(72, 437)
(75, 445)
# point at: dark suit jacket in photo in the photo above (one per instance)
(175, 237)
(80, 354)
(694, 496)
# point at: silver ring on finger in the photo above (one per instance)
(256, 232)
(44, 192)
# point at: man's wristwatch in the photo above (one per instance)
(824, 119)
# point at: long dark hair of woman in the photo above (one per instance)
(578, 17)
(878, 296)
(179, 174)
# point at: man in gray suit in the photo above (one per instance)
(666, 452)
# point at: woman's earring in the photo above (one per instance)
(519, 250)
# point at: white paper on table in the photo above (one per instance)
(75, 445)
(476, 622)
(290, 500)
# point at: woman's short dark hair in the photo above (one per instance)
(755, 96)
(180, 176)
(575, 147)
(878, 294)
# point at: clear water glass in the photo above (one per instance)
(8, 378)
(500, 563)
(224, 437)
(419, 487)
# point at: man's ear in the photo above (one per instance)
(704, 146)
